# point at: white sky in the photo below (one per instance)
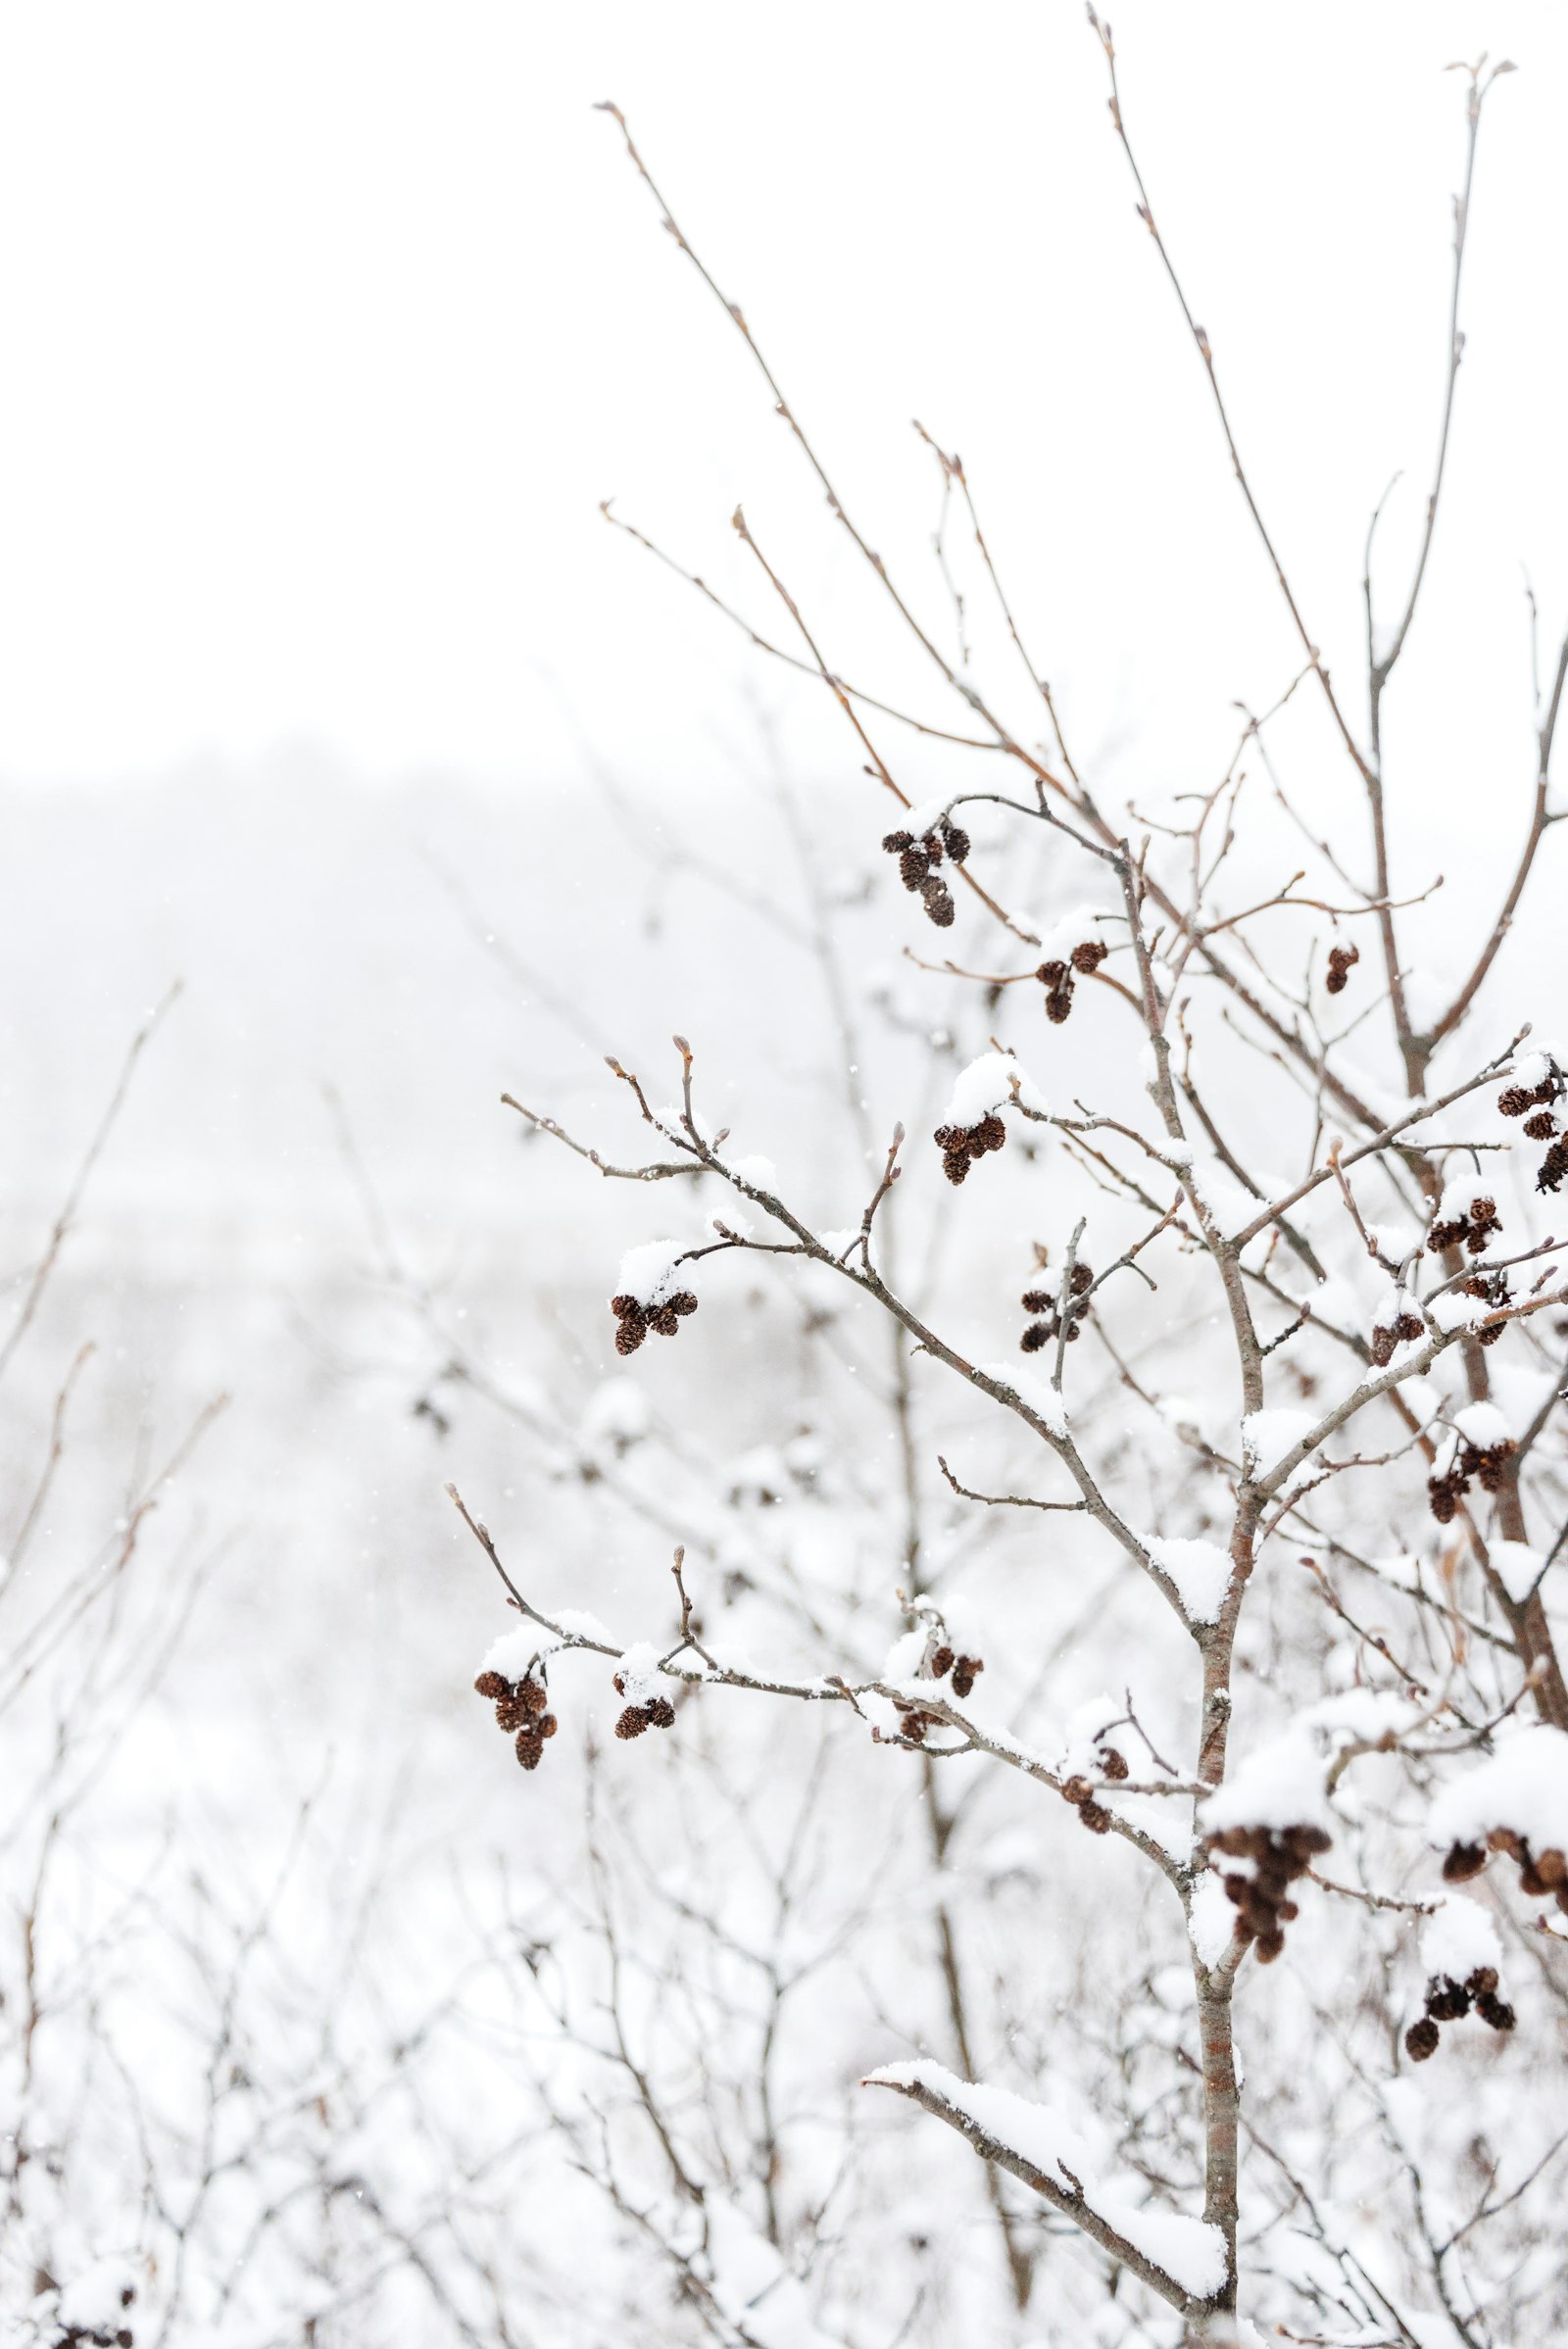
(326, 327)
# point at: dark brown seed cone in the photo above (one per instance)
(1409, 1329)
(931, 842)
(962, 1682)
(1113, 1764)
(1463, 1861)
(1421, 2040)
(1531, 1881)
(492, 1684)
(1447, 2001)
(1077, 1790)
(897, 842)
(1490, 1465)
(531, 1696)
(1483, 1982)
(683, 1302)
(1443, 1500)
(1088, 957)
(1095, 1817)
(528, 1748)
(1503, 1838)
(1035, 1337)
(1053, 975)
(955, 1165)
(618, 1685)
(664, 1322)
(914, 866)
(632, 1722)
(942, 1663)
(956, 840)
(1058, 1005)
(1082, 1280)
(1515, 1099)
(1036, 1301)
(626, 1308)
(1552, 1869)
(913, 1726)
(939, 904)
(1495, 2011)
(951, 1138)
(547, 1725)
(1541, 1127)
(1382, 1342)
(1306, 1843)
(662, 1713)
(1288, 1911)
(973, 1665)
(1492, 1333)
(1554, 1167)
(629, 1337)
(1269, 1946)
(510, 1714)
(1446, 1235)
(991, 1134)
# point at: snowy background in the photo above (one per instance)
(329, 695)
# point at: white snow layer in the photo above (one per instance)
(95, 2300)
(1267, 1436)
(1457, 1937)
(1278, 1784)
(1483, 1425)
(648, 1273)
(1044, 1403)
(1519, 1567)
(1200, 1570)
(1187, 2250)
(1085, 925)
(511, 1655)
(1523, 1785)
(988, 1084)
(1212, 1919)
(639, 1673)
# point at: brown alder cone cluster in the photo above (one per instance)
(918, 865)
(522, 1708)
(1041, 1302)
(1449, 2001)
(1487, 1464)
(1537, 1104)
(656, 1713)
(1056, 976)
(1541, 1875)
(959, 1145)
(636, 1319)
(1343, 959)
(1260, 1891)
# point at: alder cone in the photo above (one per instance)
(1421, 2040)
(1463, 1861)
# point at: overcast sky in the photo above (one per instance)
(326, 327)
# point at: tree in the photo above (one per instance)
(1348, 1515)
